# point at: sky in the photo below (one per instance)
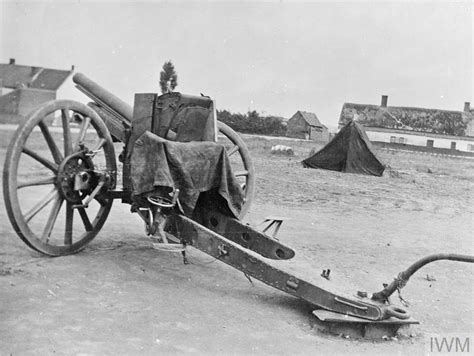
(272, 57)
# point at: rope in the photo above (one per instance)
(401, 280)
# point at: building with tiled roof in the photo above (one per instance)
(23, 88)
(411, 126)
(306, 125)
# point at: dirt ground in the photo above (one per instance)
(121, 297)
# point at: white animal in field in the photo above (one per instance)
(282, 150)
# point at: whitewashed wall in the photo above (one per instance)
(420, 139)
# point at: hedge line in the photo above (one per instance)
(253, 123)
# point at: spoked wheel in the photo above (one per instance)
(241, 163)
(55, 177)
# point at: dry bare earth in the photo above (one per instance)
(119, 296)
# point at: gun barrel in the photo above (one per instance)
(102, 96)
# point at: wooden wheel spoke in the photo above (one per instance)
(82, 133)
(69, 223)
(85, 219)
(99, 145)
(66, 132)
(41, 204)
(233, 150)
(242, 174)
(101, 200)
(57, 155)
(34, 197)
(37, 181)
(44, 161)
(53, 215)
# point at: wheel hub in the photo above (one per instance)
(75, 176)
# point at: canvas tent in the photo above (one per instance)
(349, 151)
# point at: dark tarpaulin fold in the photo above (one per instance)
(192, 167)
(349, 151)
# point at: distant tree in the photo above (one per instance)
(253, 123)
(168, 78)
(274, 126)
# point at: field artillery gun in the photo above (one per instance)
(83, 176)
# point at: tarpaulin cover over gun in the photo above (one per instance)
(192, 167)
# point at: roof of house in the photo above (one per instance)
(310, 118)
(15, 76)
(446, 122)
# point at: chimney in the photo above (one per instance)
(12, 61)
(384, 101)
(467, 106)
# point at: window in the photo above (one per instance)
(402, 140)
(470, 147)
(393, 139)
(429, 143)
(453, 145)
